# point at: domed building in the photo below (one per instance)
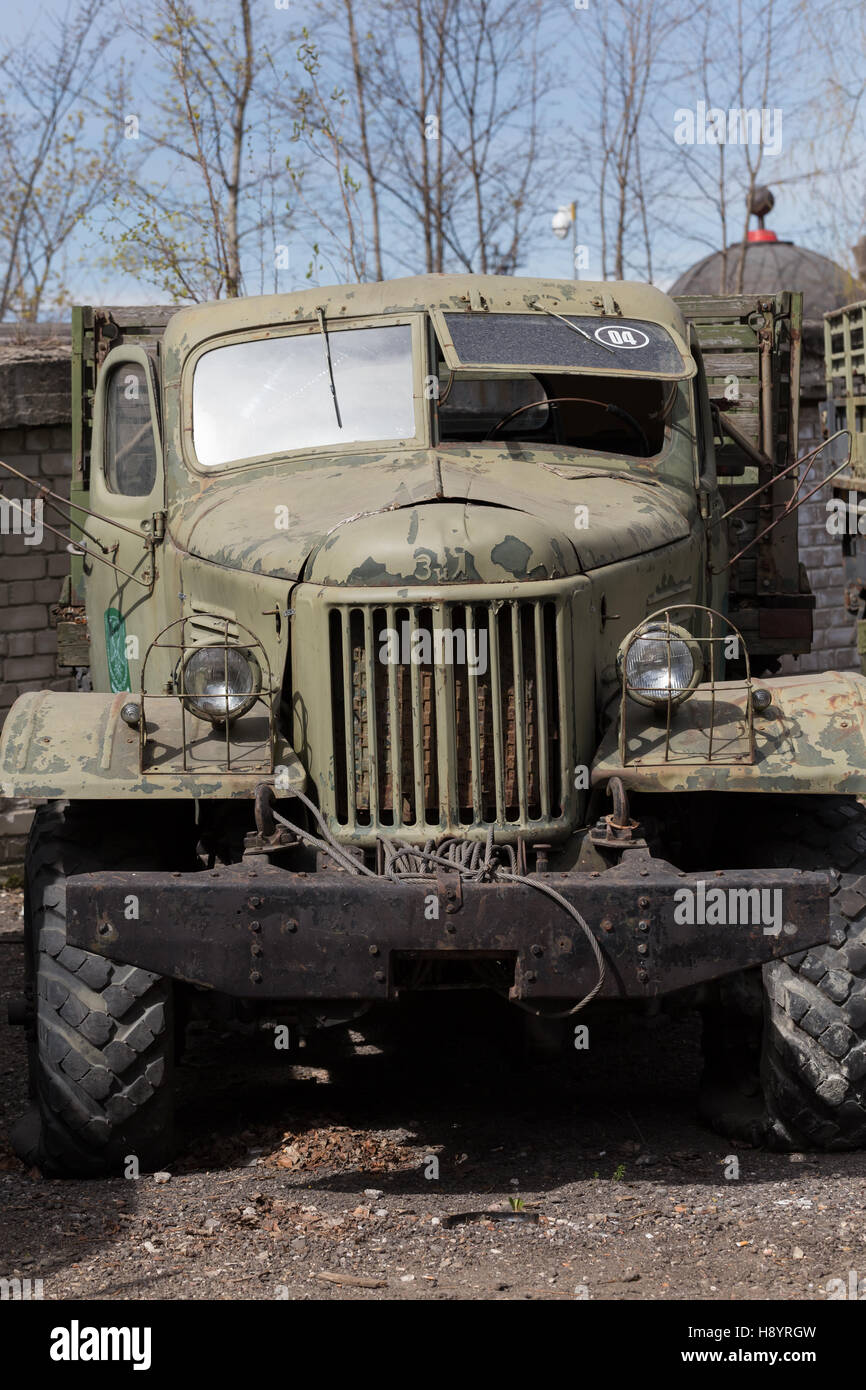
(766, 264)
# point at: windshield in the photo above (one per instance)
(606, 414)
(274, 395)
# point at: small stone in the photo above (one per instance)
(373, 1193)
(162, 1177)
(797, 1253)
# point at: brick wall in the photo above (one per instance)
(834, 647)
(835, 643)
(31, 575)
(35, 440)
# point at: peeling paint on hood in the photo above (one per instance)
(475, 514)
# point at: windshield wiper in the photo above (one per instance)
(575, 327)
(321, 317)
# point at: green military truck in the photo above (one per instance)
(433, 631)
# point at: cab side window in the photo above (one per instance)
(130, 455)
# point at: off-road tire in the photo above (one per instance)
(101, 1045)
(813, 1043)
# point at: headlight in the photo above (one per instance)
(220, 683)
(660, 663)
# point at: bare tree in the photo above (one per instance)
(436, 116)
(55, 171)
(744, 57)
(835, 33)
(319, 124)
(361, 107)
(207, 193)
(626, 46)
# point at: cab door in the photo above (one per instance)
(125, 528)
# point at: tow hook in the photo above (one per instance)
(617, 831)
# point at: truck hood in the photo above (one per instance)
(430, 517)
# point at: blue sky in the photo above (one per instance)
(807, 208)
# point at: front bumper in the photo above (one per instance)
(264, 933)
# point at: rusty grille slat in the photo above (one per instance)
(476, 769)
(518, 685)
(393, 796)
(370, 712)
(562, 697)
(350, 714)
(496, 709)
(541, 708)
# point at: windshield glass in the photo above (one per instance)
(272, 396)
(543, 340)
(606, 414)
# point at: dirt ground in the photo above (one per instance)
(320, 1181)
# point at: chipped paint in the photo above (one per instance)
(812, 738)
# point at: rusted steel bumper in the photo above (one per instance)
(266, 933)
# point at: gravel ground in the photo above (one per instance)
(320, 1181)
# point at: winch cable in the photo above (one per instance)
(473, 861)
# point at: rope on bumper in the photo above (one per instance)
(473, 860)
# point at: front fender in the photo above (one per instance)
(60, 744)
(811, 738)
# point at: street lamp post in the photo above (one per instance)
(563, 218)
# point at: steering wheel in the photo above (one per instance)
(585, 400)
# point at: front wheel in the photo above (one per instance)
(100, 1047)
(812, 1046)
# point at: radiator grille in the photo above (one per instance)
(426, 736)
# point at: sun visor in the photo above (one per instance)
(569, 343)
